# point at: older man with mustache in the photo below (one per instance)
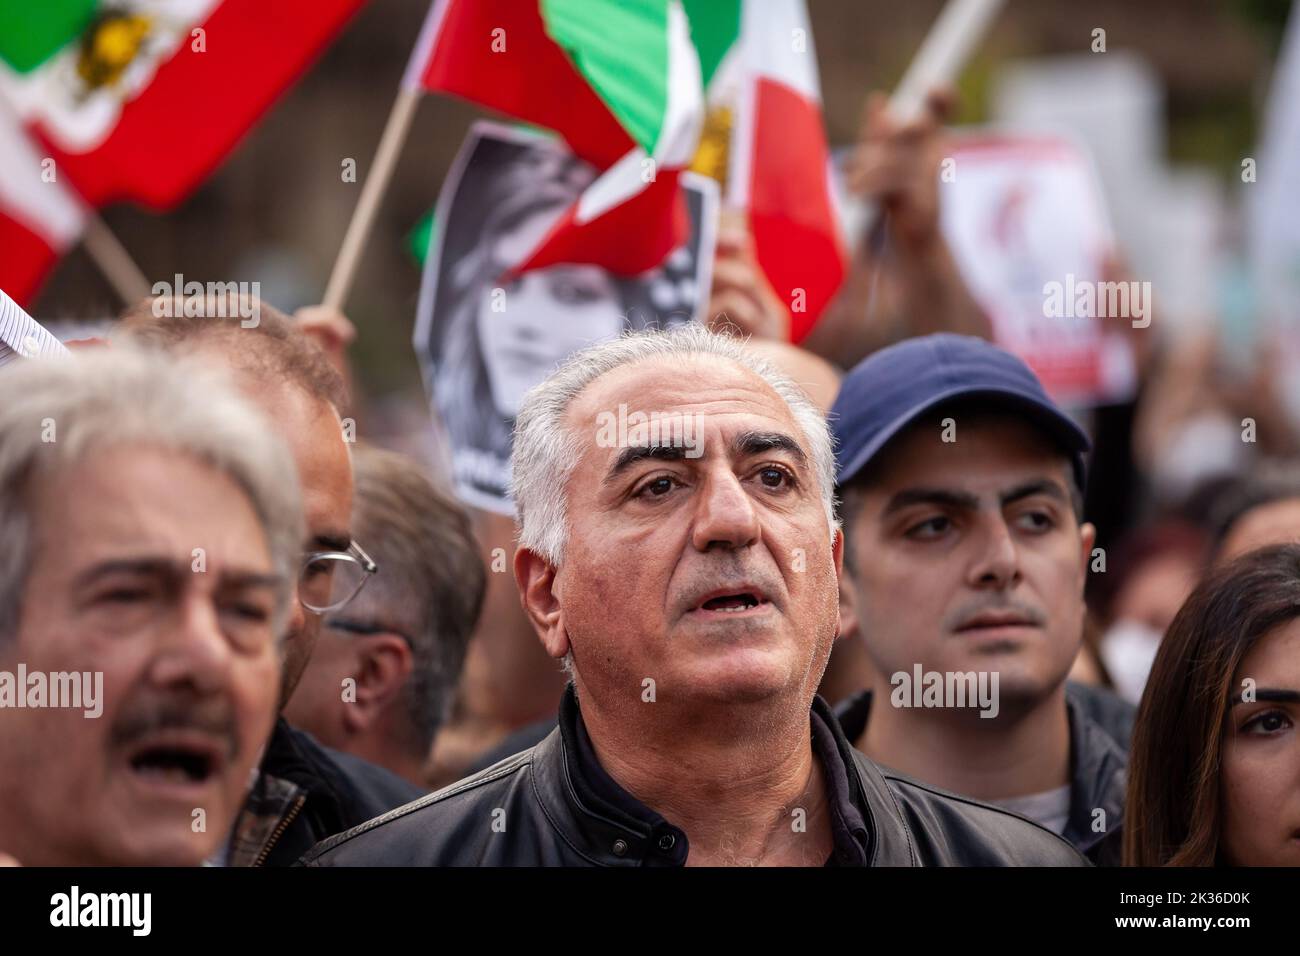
(149, 532)
(692, 586)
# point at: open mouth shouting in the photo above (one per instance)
(177, 764)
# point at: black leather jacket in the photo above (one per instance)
(1100, 727)
(536, 809)
(305, 792)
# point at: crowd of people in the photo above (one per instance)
(891, 605)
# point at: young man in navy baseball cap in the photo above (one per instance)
(961, 485)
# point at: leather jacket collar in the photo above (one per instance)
(595, 813)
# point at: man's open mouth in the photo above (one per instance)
(732, 601)
(177, 762)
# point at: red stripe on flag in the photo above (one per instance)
(634, 236)
(796, 233)
(531, 79)
(199, 104)
(25, 260)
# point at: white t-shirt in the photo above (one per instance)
(1051, 808)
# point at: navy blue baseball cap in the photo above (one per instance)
(892, 388)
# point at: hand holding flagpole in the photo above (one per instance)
(943, 53)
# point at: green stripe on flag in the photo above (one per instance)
(621, 47)
(32, 32)
(420, 239)
(715, 24)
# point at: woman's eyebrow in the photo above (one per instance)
(1274, 694)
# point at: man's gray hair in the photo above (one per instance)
(545, 451)
(431, 579)
(54, 411)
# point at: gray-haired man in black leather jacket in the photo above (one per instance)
(678, 549)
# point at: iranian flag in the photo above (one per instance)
(141, 99)
(618, 79)
(779, 162)
(625, 83)
(40, 218)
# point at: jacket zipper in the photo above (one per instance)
(279, 830)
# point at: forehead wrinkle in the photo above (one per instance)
(675, 389)
(671, 397)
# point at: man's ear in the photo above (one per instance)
(384, 665)
(848, 607)
(846, 620)
(536, 580)
(1087, 538)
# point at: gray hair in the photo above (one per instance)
(124, 396)
(545, 452)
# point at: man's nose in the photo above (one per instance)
(196, 653)
(725, 514)
(997, 562)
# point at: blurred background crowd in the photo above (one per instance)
(1194, 415)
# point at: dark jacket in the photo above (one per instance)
(554, 805)
(1100, 727)
(304, 793)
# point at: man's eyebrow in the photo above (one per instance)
(755, 443)
(634, 453)
(952, 498)
(331, 541)
(1275, 694)
(152, 566)
(239, 580)
(932, 496)
(1039, 486)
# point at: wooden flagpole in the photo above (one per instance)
(372, 193)
(944, 51)
(113, 260)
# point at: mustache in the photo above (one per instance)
(963, 615)
(731, 572)
(213, 716)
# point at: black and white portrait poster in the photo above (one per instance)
(484, 339)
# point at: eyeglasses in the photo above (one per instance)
(330, 579)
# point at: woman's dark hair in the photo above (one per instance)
(1172, 815)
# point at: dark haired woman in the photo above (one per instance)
(1214, 772)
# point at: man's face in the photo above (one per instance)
(345, 649)
(968, 557)
(314, 435)
(184, 641)
(715, 576)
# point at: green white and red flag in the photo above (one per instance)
(780, 169)
(624, 83)
(40, 217)
(141, 99)
(619, 80)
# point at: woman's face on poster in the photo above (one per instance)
(531, 323)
